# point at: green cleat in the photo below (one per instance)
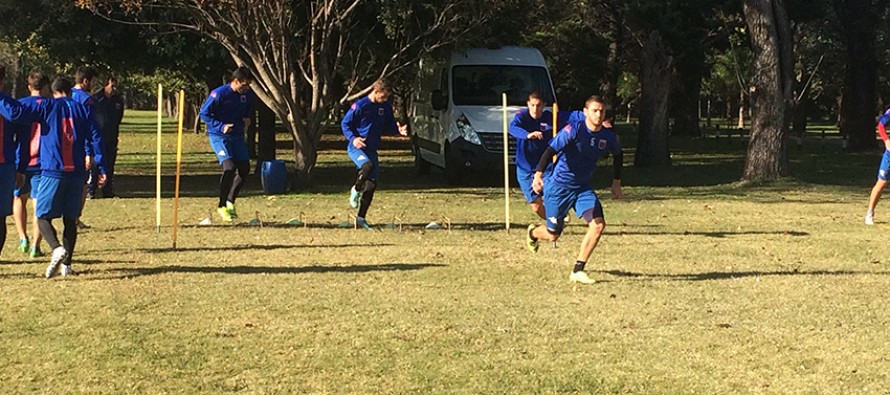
(363, 224)
(531, 243)
(35, 252)
(224, 214)
(232, 212)
(354, 197)
(580, 277)
(24, 245)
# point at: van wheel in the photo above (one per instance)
(454, 174)
(421, 167)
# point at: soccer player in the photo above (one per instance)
(883, 170)
(12, 166)
(70, 127)
(108, 108)
(227, 114)
(579, 145)
(533, 128)
(83, 83)
(363, 125)
(37, 85)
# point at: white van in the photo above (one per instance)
(457, 114)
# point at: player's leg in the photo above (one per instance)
(878, 188)
(536, 203)
(367, 198)
(70, 212)
(7, 187)
(225, 187)
(557, 201)
(592, 211)
(243, 170)
(49, 206)
(110, 160)
(36, 238)
(365, 170)
(20, 214)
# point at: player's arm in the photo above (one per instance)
(349, 127)
(96, 146)
(882, 129)
(14, 111)
(208, 113)
(22, 146)
(516, 130)
(618, 164)
(557, 143)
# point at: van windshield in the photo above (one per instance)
(482, 85)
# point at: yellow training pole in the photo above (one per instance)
(178, 165)
(158, 167)
(506, 167)
(555, 125)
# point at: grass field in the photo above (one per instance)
(706, 286)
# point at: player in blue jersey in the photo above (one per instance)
(227, 115)
(83, 84)
(883, 170)
(38, 85)
(578, 146)
(533, 128)
(12, 163)
(70, 128)
(363, 125)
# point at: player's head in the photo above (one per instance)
(536, 104)
(595, 110)
(84, 76)
(62, 86)
(37, 81)
(241, 79)
(380, 91)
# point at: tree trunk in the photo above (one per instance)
(859, 103)
(266, 132)
(772, 94)
(655, 79)
(687, 93)
(742, 110)
(609, 87)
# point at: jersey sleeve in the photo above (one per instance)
(14, 111)
(208, 112)
(349, 123)
(95, 144)
(563, 138)
(883, 122)
(516, 130)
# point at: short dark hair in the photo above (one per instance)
(242, 74)
(37, 80)
(84, 74)
(381, 85)
(594, 99)
(536, 94)
(62, 84)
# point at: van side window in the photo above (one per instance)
(444, 84)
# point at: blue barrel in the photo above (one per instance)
(274, 175)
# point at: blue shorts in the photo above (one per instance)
(558, 200)
(7, 186)
(362, 156)
(32, 181)
(884, 170)
(59, 197)
(234, 148)
(525, 178)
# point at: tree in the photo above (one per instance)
(858, 19)
(308, 57)
(772, 89)
(655, 72)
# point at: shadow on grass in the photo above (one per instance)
(707, 276)
(242, 269)
(718, 234)
(257, 247)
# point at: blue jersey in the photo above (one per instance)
(225, 106)
(578, 150)
(29, 153)
(369, 120)
(70, 128)
(81, 96)
(529, 152)
(11, 135)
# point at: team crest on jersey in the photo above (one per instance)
(243, 99)
(602, 144)
(213, 94)
(543, 125)
(380, 112)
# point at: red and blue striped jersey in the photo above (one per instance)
(70, 129)
(11, 136)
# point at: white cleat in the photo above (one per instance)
(59, 255)
(67, 271)
(869, 220)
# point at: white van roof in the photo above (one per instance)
(507, 55)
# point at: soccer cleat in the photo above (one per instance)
(24, 245)
(580, 277)
(82, 225)
(354, 197)
(531, 243)
(67, 271)
(35, 252)
(362, 223)
(232, 212)
(59, 255)
(224, 214)
(869, 220)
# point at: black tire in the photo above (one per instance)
(454, 174)
(421, 167)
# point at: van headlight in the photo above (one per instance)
(465, 130)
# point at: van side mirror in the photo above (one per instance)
(439, 100)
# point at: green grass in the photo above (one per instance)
(705, 286)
